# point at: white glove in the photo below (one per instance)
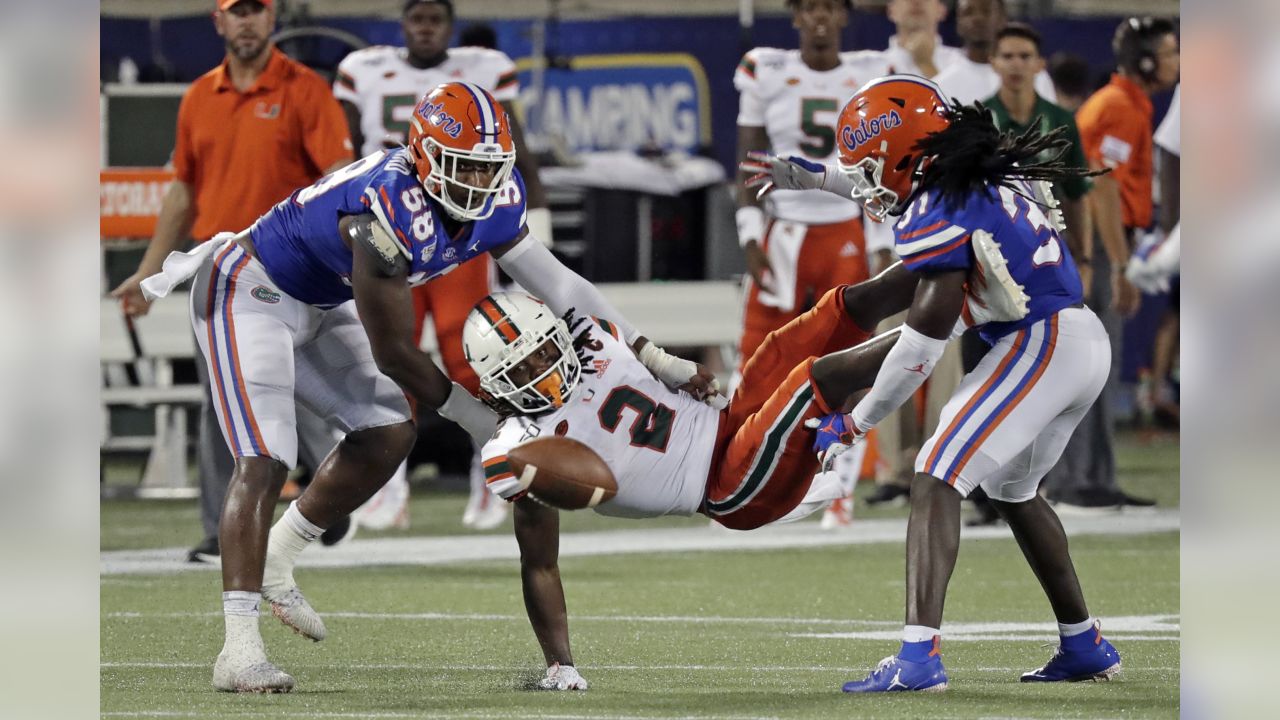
(1155, 261)
(793, 173)
(474, 416)
(675, 372)
(538, 220)
(671, 370)
(562, 677)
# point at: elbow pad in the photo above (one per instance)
(390, 258)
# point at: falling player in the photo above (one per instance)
(961, 190)
(671, 455)
(798, 244)
(272, 313)
(378, 87)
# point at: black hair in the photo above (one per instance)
(795, 5)
(1019, 30)
(448, 6)
(479, 35)
(971, 154)
(1135, 41)
(1070, 73)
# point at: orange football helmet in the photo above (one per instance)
(460, 138)
(877, 137)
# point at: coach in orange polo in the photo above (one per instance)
(250, 131)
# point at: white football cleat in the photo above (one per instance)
(485, 513)
(258, 676)
(838, 515)
(292, 608)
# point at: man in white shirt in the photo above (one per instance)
(970, 77)
(916, 47)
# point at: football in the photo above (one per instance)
(563, 473)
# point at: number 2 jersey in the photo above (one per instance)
(658, 442)
(933, 236)
(299, 244)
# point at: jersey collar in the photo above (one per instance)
(272, 75)
(1134, 93)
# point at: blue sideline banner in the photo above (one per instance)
(619, 102)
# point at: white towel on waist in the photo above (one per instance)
(783, 248)
(181, 266)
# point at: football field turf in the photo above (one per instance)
(770, 631)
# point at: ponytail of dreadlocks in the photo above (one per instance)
(972, 153)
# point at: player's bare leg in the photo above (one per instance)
(933, 542)
(352, 472)
(1082, 654)
(1044, 543)
(242, 665)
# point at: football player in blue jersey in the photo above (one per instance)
(977, 230)
(272, 313)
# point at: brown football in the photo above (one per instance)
(563, 473)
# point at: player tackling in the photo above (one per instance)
(272, 312)
(745, 467)
(962, 190)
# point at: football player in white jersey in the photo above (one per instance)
(970, 77)
(799, 244)
(378, 88)
(915, 47)
(746, 466)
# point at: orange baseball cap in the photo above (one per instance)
(226, 4)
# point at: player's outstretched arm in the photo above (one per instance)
(873, 300)
(538, 535)
(939, 298)
(545, 277)
(905, 357)
(385, 305)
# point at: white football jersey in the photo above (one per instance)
(657, 442)
(968, 82)
(799, 108)
(384, 87)
(1169, 134)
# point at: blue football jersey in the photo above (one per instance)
(298, 241)
(933, 236)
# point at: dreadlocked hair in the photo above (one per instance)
(582, 341)
(972, 153)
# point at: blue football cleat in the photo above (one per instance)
(1087, 656)
(894, 674)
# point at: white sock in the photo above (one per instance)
(1075, 628)
(291, 534)
(240, 610)
(479, 487)
(918, 633)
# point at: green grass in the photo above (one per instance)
(700, 634)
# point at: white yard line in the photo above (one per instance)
(446, 550)
(144, 665)
(515, 714)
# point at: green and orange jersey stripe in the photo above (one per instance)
(497, 468)
(499, 320)
(748, 66)
(346, 81)
(506, 80)
(608, 327)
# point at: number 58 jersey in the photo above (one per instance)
(299, 244)
(657, 442)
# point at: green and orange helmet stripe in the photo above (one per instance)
(499, 319)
